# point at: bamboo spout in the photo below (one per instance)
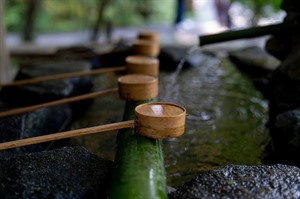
(248, 33)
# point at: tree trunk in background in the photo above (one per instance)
(95, 29)
(30, 18)
(4, 61)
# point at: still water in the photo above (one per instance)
(225, 124)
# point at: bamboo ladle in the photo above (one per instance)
(134, 64)
(131, 87)
(138, 64)
(155, 120)
(147, 45)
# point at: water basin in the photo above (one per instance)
(225, 123)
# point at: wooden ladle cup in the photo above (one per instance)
(146, 48)
(136, 87)
(160, 120)
(137, 64)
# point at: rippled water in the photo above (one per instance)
(225, 123)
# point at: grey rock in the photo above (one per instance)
(24, 95)
(284, 94)
(289, 123)
(36, 123)
(254, 59)
(66, 173)
(289, 65)
(286, 137)
(284, 98)
(233, 181)
(170, 57)
(284, 103)
(257, 64)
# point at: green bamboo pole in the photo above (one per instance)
(139, 171)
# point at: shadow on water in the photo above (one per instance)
(225, 123)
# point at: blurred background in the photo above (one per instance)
(67, 22)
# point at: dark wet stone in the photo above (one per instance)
(170, 57)
(284, 98)
(277, 181)
(254, 61)
(278, 46)
(257, 64)
(284, 94)
(286, 137)
(66, 173)
(284, 120)
(115, 57)
(291, 5)
(74, 50)
(50, 90)
(40, 122)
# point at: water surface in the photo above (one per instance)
(225, 123)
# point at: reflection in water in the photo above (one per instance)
(157, 109)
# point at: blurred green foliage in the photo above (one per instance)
(13, 14)
(70, 15)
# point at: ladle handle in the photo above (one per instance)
(62, 76)
(67, 134)
(247, 33)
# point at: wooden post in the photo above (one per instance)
(4, 62)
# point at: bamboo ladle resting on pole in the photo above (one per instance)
(155, 120)
(148, 66)
(135, 64)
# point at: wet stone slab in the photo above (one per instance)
(235, 181)
(65, 173)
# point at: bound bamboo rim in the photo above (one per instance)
(137, 64)
(136, 87)
(160, 120)
(146, 48)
